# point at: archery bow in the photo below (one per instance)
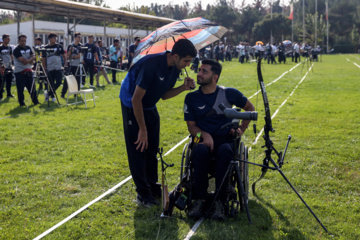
(267, 128)
(269, 146)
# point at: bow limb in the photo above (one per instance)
(267, 127)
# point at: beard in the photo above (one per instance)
(203, 81)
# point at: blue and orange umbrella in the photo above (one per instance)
(200, 31)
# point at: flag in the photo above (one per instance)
(291, 17)
(326, 14)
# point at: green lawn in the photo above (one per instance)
(54, 160)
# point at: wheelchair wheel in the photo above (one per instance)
(244, 169)
(185, 173)
(183, 160)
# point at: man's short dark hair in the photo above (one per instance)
(5, 36)
(77, 34)
(90, 36)
(38, 39)
(215, 66)
(136, 38)
(99, 41)
(51, 35)
(184, 47)
(21, 36)
(116, 40)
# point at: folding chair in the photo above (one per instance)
(73, 90)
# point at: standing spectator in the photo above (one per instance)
(273, 53)
(73, 54)
(100, 69)
(114, 58)
(52, 65)
(228, 50)
(24, 57)
(297, 51)
(89, 59)
(282, 53)
(217, 52)
(132, 49)
(221, 51)
(241, 48)
(247, 52)
(6, 55)
(258, 49)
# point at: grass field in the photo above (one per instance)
(54, 160)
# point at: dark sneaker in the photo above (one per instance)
(218, 213)
(197, 210)
(22, 104)
(147, 201)
(10, 96)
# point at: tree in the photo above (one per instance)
(310, 29)
(246, 19)
(278, 25)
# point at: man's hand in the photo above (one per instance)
(142, 141)
(207, 140)
(238, 131)
(189, 83)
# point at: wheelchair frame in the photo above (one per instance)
(182, 196)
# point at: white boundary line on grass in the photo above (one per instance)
(197, 224)
(98, 198)
(193, 229)
(276, 79)
(130, 177)
(353, 62)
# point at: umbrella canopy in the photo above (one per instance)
(200, 31)
(259, 42)
(287, 42)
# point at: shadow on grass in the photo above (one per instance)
(149, 225)
(290, 232)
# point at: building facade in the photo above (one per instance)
(43, 28)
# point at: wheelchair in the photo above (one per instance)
(182, 196)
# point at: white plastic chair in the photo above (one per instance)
(73, 89)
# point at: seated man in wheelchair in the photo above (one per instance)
(203, 115)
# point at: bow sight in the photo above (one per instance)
(269, 146)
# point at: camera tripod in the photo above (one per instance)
(38, 74)
(80, 71)
(307, 60)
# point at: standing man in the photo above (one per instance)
(149, 79)
(202, 114)
(73, 54)
(114, 58)
(100, 69)
(52, 63)
(282, 53)
(297, 51)
(7, 56)
(89, 59)
(217, 51)
(132, 49)
(24, 57)
(241, 48)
